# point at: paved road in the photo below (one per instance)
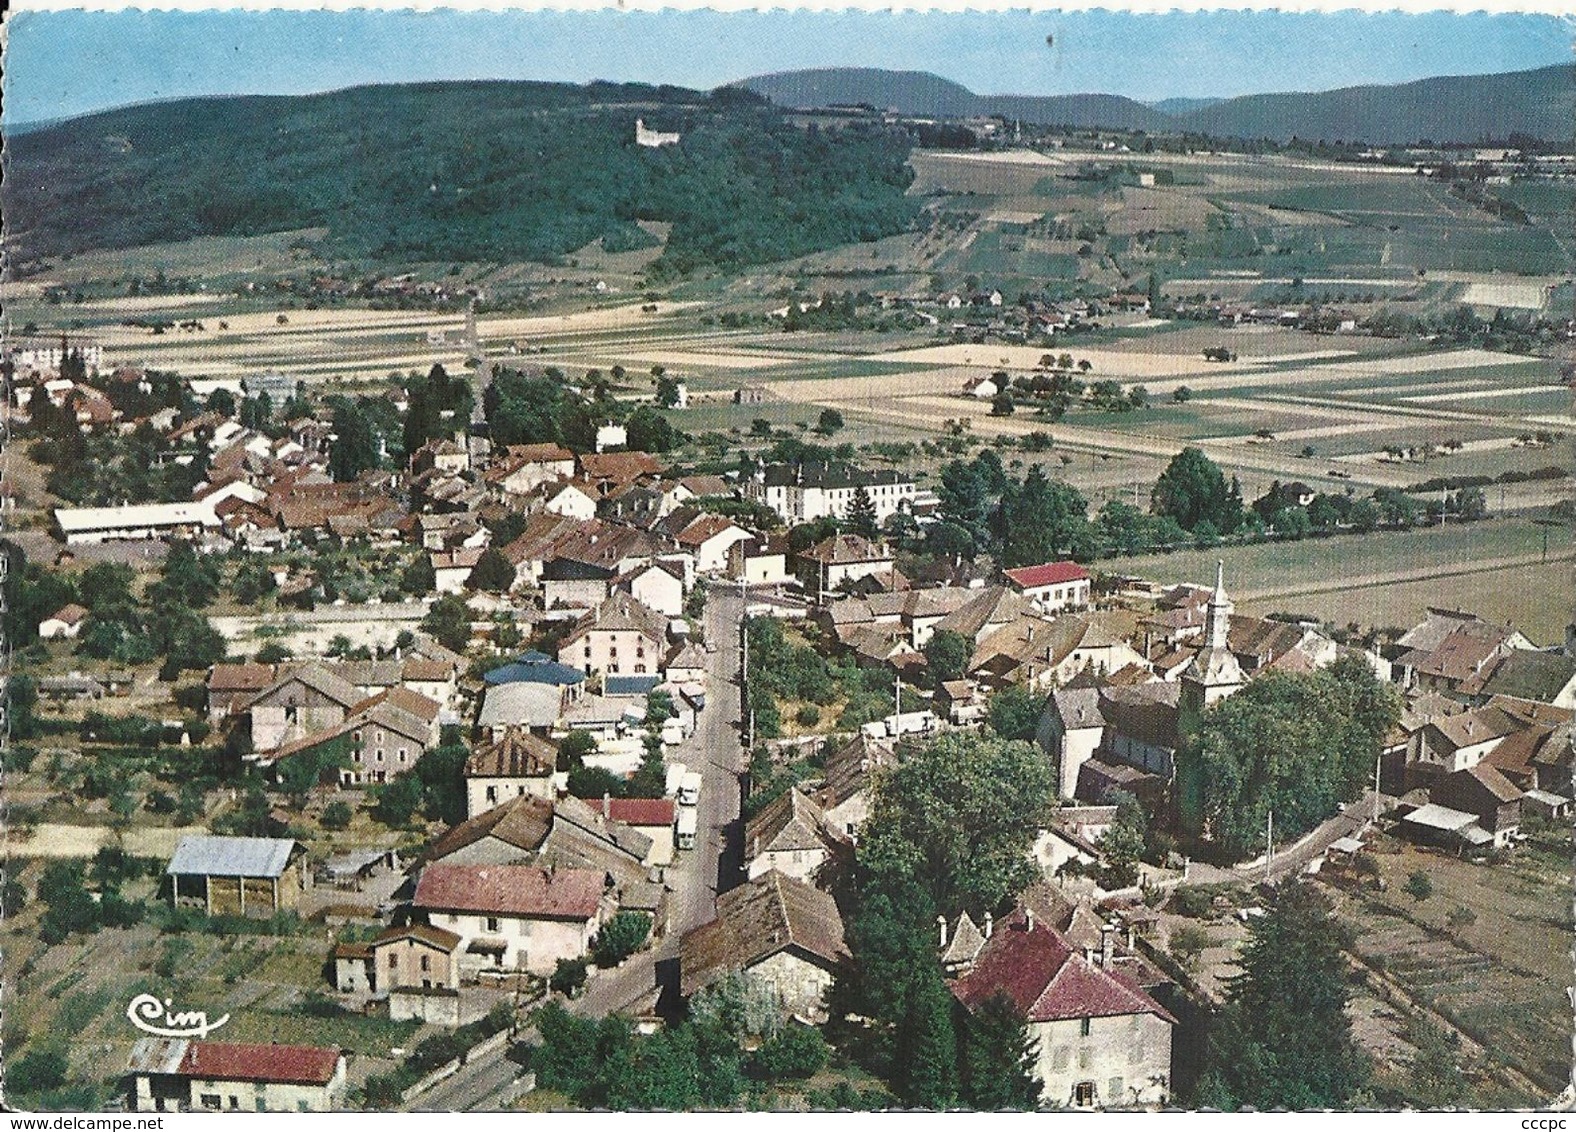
(696, 877)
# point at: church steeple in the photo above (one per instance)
(1218, 625)
(1214, 672)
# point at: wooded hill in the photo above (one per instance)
(461, 171)
(1457, 108)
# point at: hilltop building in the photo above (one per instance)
(653, 139)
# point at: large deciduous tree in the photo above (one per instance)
(958, 815)
(1298, 744)
(1192, 490)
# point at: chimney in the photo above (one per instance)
(1107, 934)
(607, 804)
(990, 924)
(941, 922)
(1028, 919)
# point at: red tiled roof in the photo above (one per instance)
(1046, 979)
(240, 677)
(1047, 574)
(641, 811)
(248, 1061)
(511, 890)
(70, 613)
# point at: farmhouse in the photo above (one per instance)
(514, 917)
(89, 525)
(782, 935)
(180, 1074)
(251, 876)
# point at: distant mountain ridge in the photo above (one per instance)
(1454, 108)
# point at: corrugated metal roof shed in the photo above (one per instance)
(202, 855)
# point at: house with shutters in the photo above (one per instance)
(844, 560)
(1101, 1040)
(514, 917)
(790, 836)
(619, 638)
(516, 764)
(417, 956)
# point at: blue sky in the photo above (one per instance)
(62, 63)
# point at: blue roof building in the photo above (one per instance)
(535, 668)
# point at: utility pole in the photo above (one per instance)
(1269, 845)
(744, 665)
(1378, 767)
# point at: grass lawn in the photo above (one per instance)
(1271, 568)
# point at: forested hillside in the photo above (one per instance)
(459, 171)
(1453, 108)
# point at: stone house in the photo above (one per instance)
(518, 763)
(789, 836)
(1102, 1041)
(298, 703)
(620, 637)
(841, 560)
(415, 955)
(779, 933)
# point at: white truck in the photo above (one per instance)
(688, 823)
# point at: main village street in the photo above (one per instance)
(696, 877)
